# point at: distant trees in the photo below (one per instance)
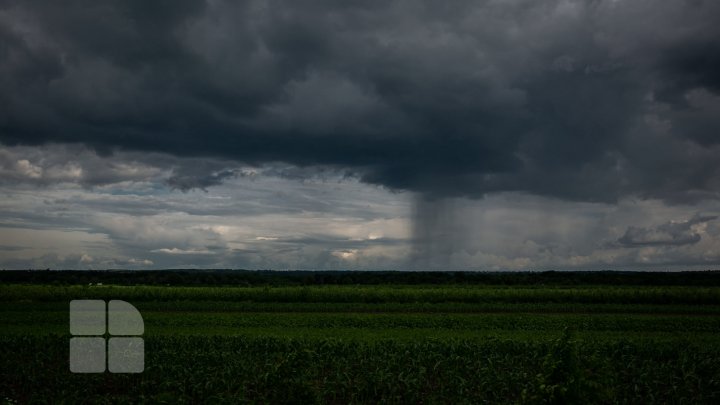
(287, 278)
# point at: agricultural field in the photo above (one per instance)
(386, 343)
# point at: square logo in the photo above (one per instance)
(91, 352)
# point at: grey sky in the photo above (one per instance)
(360, 134)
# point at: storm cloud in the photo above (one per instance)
(580, 100)
(669, 234)
(488, 134)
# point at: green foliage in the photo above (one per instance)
(374, 294)
(278, 370)
(566, 379)
(378, 344)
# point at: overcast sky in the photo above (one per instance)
(360, 134)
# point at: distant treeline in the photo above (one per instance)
(288, 278)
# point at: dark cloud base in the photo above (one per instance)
(579, 100)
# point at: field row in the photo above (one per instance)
(373, 294)
(681, 329)
(391, 307)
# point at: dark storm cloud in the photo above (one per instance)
(10, 248)
(669, 234)
(184, 181)
(580, 100)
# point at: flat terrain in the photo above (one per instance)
(450, 343)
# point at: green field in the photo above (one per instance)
(378, 343)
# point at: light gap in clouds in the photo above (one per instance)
(273, 220)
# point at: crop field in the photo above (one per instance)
(451, 343)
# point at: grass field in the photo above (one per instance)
(386, 343)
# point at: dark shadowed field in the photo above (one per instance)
(522, 338)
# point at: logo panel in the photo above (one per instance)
(90, 352)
